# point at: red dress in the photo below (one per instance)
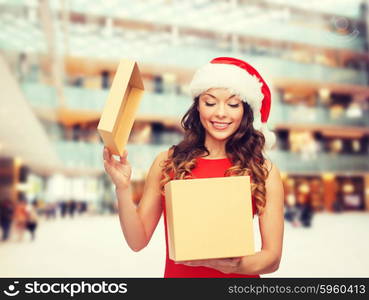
(205, 168)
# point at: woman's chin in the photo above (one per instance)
(220, 136)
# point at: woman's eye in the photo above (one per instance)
(234, 105)
(209, 104)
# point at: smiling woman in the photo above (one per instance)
(225, 135)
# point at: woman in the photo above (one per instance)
(20, 217)
(220, 140)
(32, 219)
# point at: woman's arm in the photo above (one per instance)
(138, 222)
(271, 224)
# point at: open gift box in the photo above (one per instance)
(121, 106)
(209, 218)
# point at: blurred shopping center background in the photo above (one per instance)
(58, 60)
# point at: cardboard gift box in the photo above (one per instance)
(209, 218)
(121, 106)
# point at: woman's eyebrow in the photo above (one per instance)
(210, 95)
(231, 96)
(217, 98)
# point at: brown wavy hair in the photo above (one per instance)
(243, 148)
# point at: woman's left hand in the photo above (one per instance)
(224, 265)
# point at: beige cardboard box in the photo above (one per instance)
(209, 218)
(121, 106)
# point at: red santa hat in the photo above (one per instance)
(243, 80)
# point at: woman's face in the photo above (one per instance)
(220, 112)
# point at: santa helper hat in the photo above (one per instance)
(244, 81)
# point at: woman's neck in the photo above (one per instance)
(216, 148)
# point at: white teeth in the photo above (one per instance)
(220, 125)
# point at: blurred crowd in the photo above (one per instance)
(17, 219)
(22, 218)
(298, 212)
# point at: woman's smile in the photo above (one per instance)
(220, 125)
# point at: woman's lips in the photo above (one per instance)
(220, 125)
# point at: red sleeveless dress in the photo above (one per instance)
(205, 168)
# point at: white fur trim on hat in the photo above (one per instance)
(269, 136)
(246, 86)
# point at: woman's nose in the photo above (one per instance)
(220, 112)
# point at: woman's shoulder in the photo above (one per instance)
(273, 171)
(161, 158)
(268, 164)
(164, 155)
(158, 164)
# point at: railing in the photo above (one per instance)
(180, 14)
(79, 154)
(44, 96)
(298, 114)
(40, 95)
(321, 162)
(174, 106)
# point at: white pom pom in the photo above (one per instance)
(269, 136)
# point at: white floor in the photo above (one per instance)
(93, 246)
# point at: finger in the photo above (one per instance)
(235, 261)
(192, 263)
(221, 263)
(198, 261)
(123, 158)
(185, 263)
(230, 262)
(107, 154)
(106, 166)
(225, 262)
(196, 264)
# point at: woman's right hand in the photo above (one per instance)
(119, 171)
